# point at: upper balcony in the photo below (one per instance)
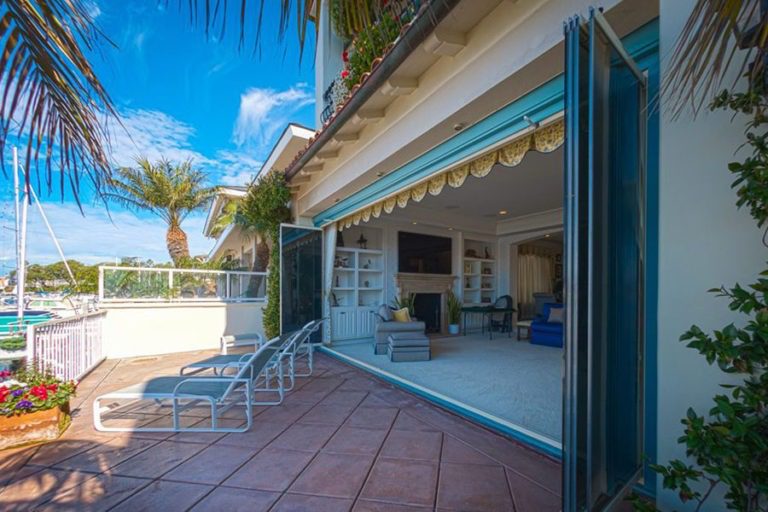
(350, 54)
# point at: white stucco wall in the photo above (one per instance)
(704, 242)
(132, 330)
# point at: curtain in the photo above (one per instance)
(329, 243)
(535, 274)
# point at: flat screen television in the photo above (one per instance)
(423, 254)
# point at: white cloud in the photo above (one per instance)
(152, 134)
(94, 238)
(237, 167)
(265, 111)
(93, 9)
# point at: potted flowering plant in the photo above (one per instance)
(34, 406)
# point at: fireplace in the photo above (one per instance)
(426, 307)
(435, 289)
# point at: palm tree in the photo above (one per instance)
(169, 191)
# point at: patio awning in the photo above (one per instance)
(545, 139)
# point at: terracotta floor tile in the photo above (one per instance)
(334, 474)
(356, 440)
(378, 506)
(304, 437)
(405, 421)
(260, 435)
(303, 503)
(272, 469)
(165, 496)
(57, 451)
(408, 482)
(157, 460)
(305, 396)
(373, 417)
(29, 492)
(285, 413)
(211, 466)
(327, 414)
(529, 497)
(352, 398)
(461, 453)
(470, 487)
(373, 400)
(230, 499)
(96, 494)
(404, 444)
(108, 455)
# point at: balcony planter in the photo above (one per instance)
(34, 406)
(33, 427)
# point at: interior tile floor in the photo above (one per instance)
(512, 380)
(342, 440)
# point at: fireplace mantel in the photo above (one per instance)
(407, 283)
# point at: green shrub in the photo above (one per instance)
(14, 343)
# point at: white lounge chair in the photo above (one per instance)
(307, 349)
(220, 392)
(251, 340)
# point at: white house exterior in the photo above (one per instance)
(429, 144)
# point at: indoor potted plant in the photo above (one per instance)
(34, 406)
(454, 313)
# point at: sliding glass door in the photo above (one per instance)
(301, 277)
(606, 109)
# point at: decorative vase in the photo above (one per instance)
(33, 427)
(453, 329)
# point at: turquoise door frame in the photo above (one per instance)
(545, 101)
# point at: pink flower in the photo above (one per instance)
(5, 374)
(345, 56)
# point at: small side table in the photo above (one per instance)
(523, 324)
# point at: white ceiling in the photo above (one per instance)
(534, 186)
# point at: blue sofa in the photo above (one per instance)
(544, 332)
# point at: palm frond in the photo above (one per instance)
(51, 97)
(170, 191)
(710, 44)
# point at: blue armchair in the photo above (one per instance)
(544, 332)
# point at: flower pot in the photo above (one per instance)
(32, 427)
(453, 329)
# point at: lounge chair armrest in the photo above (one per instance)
(176, 389)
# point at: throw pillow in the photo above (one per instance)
(402, 315)
(385, 313)
(556, 315)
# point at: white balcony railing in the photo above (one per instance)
(70, 347)
(143, 284)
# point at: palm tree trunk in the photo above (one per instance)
(176, 241)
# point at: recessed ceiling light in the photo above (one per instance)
(414, 223)
(547, 236)
(450, 229)
(459, 126)
(379, 174)
(503, 212)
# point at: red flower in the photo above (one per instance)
(344, 74)
(41, 392)
(345, 56)
(4, 392)
(52, 387)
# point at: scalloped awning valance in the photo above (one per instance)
(544, 140)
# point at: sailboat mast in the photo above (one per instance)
(21, 222)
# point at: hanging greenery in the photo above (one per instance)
(727, 446)
(262, 210)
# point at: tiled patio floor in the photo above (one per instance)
(341, 441)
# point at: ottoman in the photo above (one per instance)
(408, 347)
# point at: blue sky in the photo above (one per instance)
(180, 95)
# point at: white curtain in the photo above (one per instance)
(329, 248)
(535, 273)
